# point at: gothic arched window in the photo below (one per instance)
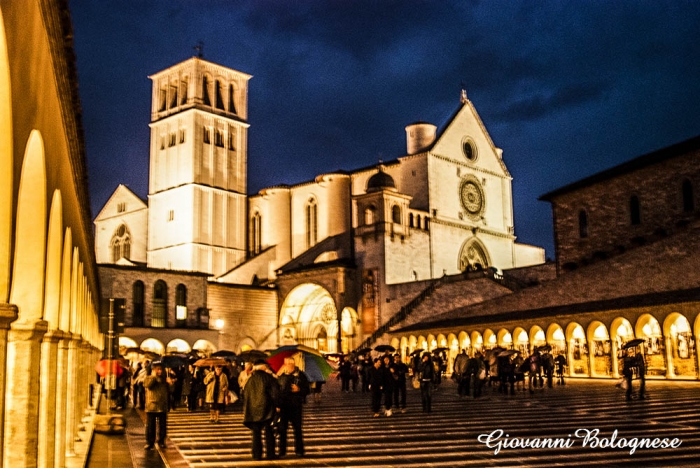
(688, 198)
(137, 304)
(635, 212)
(311, 223)
(121, 243)
(160, 304)
(206, 99)
(582, 224)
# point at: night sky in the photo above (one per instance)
(565, 88)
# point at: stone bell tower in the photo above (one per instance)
(198, 168)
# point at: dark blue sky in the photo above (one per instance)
(566, 88)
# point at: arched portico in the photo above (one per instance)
(309, 316)
(621, 332)
(680, 347)
(600, 352)
(649, 329)
(577, 351)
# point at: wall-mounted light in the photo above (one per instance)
(219, 324)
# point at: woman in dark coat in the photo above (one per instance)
(375, 379)
(426, 373)
(260, 406)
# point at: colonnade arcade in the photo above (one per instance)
(593, 347)
(309, 316)
(49, 333)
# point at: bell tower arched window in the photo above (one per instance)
(256, 233)
(370, 215)
(311, 223)
(582, 224)
(181, 304)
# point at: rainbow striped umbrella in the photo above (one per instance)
(307, 359)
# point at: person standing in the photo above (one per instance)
(426, 372)
(388, 383)
(641, 374)
(260, 406)
(459, 370)
(157, 387)
(375, 382)
(399, 371)
(294, 387)
(217, 391)
(560, 362)
(345, 374)
(244, 376)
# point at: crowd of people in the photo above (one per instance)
(273, 401)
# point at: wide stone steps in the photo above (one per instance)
(340, 431)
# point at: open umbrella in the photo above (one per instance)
(507, 353)
(384, 347)
(417, 351)
(102, 367)
(310, 361)
(223, 353)
(210, 362)
(439, 350)
(363, 350)
(633, 343)
(251, 355)
(174, 360)
(544, 348)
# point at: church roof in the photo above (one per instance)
(640, 162)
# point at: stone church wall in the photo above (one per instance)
(607, 204)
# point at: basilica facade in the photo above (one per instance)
(325, 262)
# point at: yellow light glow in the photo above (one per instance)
(219, 324)
(558, 334)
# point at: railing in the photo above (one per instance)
(402, 314)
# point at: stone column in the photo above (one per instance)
(71, 396)
(8, 314)
(61, 398)
(47, 398)
(22, 394)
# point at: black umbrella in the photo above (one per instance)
(363, 350)
(223, 353)
(507, 353)
(439, 350)
(417, 351)
(384, 347)
(251, 355)
(174, 360)
(544, 348)
(633, 343)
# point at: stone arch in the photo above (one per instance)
(537, 337)
(521, 341)
(306, 309)
(505, 339)
(205, 346)
(153, 345)
(648, 328)
(577, 351)
(6, 166)
(28, 273)
(54, 247)
(473, 256)
(477, 341)
(395, 343)
(490, 339)
(66, 274)
(349, 329)
(556, 339)
(465, 342)
(246, 344)
(422, 343)
(412, 344)
(621, 331)
(432, 342)
(403, 348)
(600, 351)
(680, 347)
(441, 341)
(178, 345)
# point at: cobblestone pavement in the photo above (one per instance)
(340, 431)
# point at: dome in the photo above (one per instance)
(380, 181)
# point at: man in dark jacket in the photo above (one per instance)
(157, 402)
(426, 373)
(375, 381)
(460, 373)
(294, 386)
(388, 383)
(399, 371)
(260, 406)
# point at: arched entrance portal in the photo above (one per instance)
(309, 316)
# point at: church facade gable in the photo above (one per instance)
(121, 228)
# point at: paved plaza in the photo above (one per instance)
(340, 431)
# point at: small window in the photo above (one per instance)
(231, 144)
(410, 219)
(231, 100)
(688, 197)
(219, 97)
(425, 223)
(469, 150)
(369, 215)
(173, 96)
(172, 140)
(183, 91)
(205, 91)
(171, 215)
(121, 207)
(206, 137)
(162, 142)
(635, 214)
(162, 100)
(182, 136)
(219, 138)
(582, 224)
(396, 214)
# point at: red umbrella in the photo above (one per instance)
(102, 367)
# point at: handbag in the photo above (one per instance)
(416, 383)
(482, 374)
